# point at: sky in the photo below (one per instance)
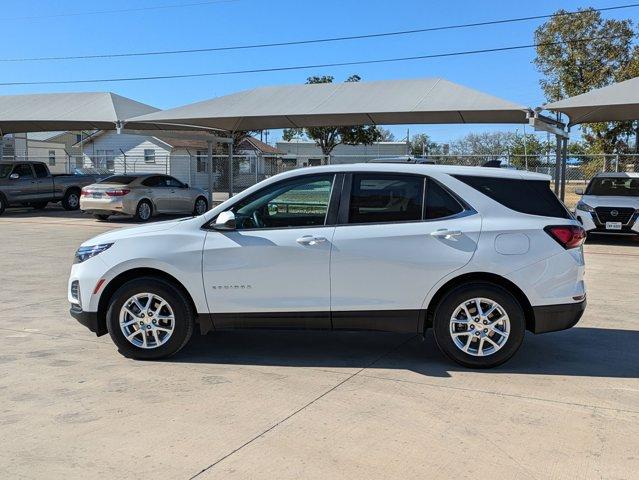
(36, 28)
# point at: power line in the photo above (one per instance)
(306, 67)
(308, 41)
(123, 10)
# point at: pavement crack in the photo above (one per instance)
(302, 408)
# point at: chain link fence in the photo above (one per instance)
(230, 177)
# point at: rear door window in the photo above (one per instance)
(40, 170)
(382, 198)
(533, 197)
(439, 202)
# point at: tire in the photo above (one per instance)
(39, 205)
(201, 206)
(179, 305)
(514, 324)
(71, 199)
(100, 217)
(3, 204)
(144, 211)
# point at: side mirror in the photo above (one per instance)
(186, 185)
(225, 221)
(579, 191)
(14, 176)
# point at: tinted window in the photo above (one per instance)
(173, 183)
(440, 203)
(153, 182)
(24, 170)
(380, 198)
(625, 187)
(121, 179)
(40, 170)
(300, 202)
(533, 197)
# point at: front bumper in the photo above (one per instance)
(552, 318)
(592, 224)
(88, 319)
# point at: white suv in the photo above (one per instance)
(610, 204)
(477, 254)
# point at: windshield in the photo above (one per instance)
(617, 187)
(120, 179)
(5, 169)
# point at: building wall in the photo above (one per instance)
(307, 151)
(51, 153)
(128, 153)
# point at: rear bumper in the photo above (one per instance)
(551, 318)
(88, 319)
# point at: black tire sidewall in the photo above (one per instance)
(65, 200)
(100, 217)
(137, 211)
(3, 204)
(184, 318)
(452, 300)
(206, 207)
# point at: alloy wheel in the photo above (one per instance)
(147, 320)
(479, 327)
(200, 206)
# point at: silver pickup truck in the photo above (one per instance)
(24, 183)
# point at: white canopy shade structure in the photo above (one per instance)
(67, 111)
(619, 101)
(387, 102)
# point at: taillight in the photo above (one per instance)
(120, 192)
(568, 236)
(84, 192)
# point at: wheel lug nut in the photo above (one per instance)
(485, 330)
(477, 333)
(472, 327)
(485, 322)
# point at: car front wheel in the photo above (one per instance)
(479, 325)
(149, 319)
(201, 206)
(144, 211)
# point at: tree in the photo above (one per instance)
(385, 135)
(577, 53)
(421, 144)
(488, 144)
(327, 138)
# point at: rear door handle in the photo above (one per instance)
(310, 240)
(445, 233)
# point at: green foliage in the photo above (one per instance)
(578, 53)
(422, 144)
(327, 138)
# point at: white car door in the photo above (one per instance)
(273, 270)
(396, 238)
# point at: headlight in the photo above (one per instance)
(84, 253)
(585, 207)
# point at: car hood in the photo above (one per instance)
(140, 231)
(606, 201)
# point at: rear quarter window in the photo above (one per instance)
(533, 197)
(120, 179)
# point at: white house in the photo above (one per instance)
(172, 154)
(307, 153)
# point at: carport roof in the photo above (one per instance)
(388, 102)
(67, 111)
(619, 101)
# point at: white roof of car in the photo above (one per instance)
(425, 169)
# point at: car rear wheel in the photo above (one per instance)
(149, 318)
(201, 206)
(479, 325)
(71, 200)
(144, 211)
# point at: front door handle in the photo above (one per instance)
(310, 240)
(445, 233)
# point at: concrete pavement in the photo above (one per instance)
(287, 405)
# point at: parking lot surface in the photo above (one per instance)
(286, 405)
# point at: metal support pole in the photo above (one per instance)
(564, 155)
(557, 163)
(209, 168)
(230, 169)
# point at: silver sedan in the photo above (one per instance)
(141, 196)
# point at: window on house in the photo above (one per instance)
(105, 159)
(149, 155)
(78, 137)
(51, 158)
